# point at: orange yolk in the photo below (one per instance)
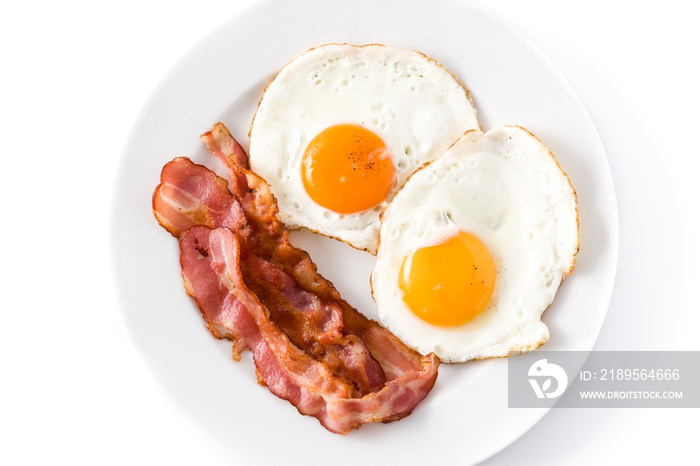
(347, 169)
(450, 283)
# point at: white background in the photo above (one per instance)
(74, 77)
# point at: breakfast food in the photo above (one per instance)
(253, 287)
(474, 246)
(380, 148)
(341, 127)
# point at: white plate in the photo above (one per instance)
(465, 419)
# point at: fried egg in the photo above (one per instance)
(474, 247)
(341, 127)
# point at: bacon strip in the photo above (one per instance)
(209, 260)
(353, 370)
(313, 324)
(261, 209)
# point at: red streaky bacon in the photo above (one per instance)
(255, 288)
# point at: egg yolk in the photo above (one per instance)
(347, 168)
(450, 283)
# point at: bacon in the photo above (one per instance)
(209, 260)
(353, 370)
(220, 143)
(313, 324)
(190, 195)
(395, 358)
(224, 147)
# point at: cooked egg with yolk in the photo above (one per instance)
(341, 127)
(473, 248)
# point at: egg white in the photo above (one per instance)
(506, 188)
(414, 104)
